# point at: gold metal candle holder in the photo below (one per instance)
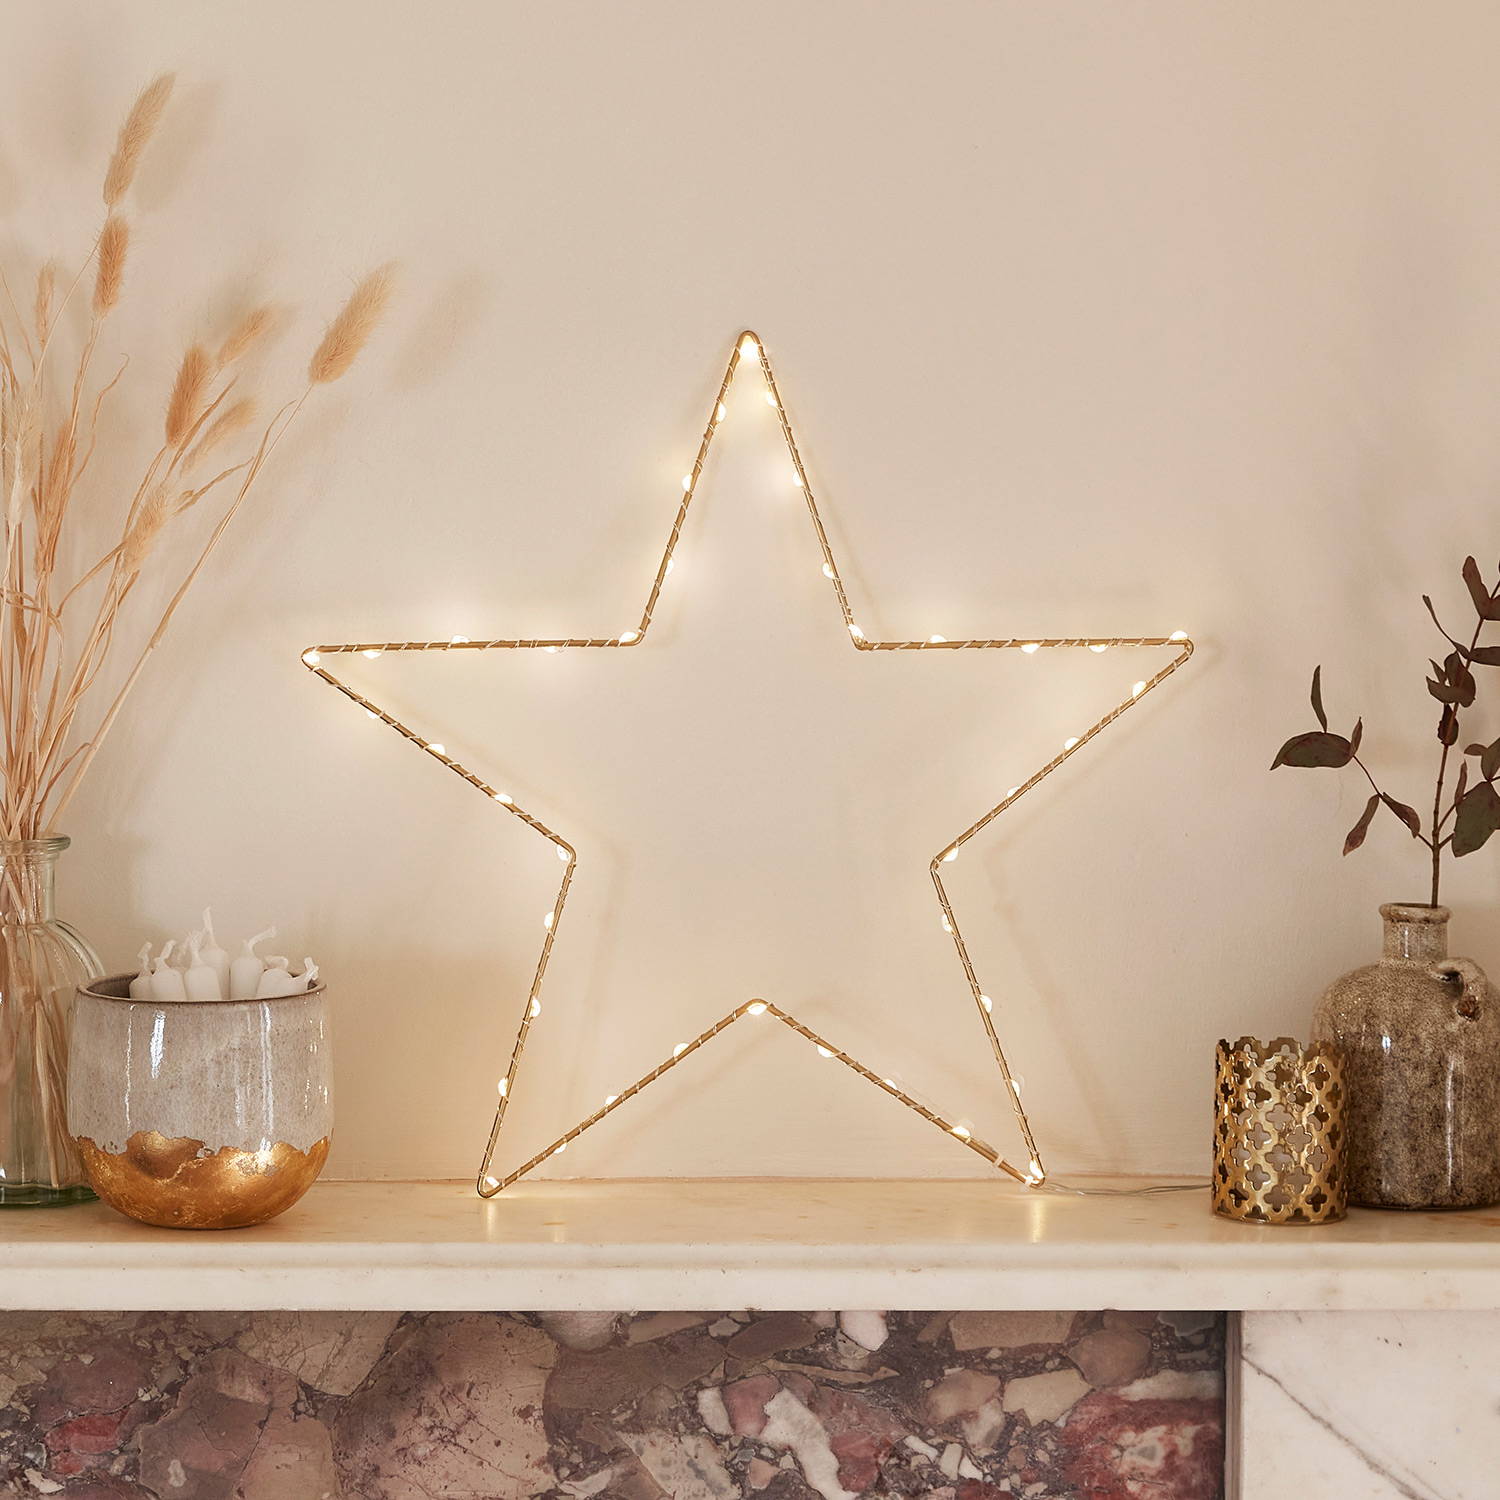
(1279, 1132)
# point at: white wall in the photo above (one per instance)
(1091, 319)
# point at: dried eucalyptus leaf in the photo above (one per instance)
(1408, 815)
(1478, 818)
(1447, 732)
(1486, 656)
(1483, 603)
(1317, 748)
(1317, 696)
(1356, 835)
(1489, 761)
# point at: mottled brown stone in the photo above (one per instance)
(330, 1351)
(200, 1449)
(455, 1408)
(772, 1335)
(152, 1406)
(601, 1380)
(1008, 1330)
(1111, 1356)
(959, 1392)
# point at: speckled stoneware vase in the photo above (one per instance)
(1420, 1035)
(206, 1114)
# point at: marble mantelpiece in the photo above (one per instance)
(1368, 1406)
(795, 1245)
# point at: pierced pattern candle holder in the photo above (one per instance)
(1279, 1132)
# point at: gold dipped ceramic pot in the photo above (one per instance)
(200, 1114)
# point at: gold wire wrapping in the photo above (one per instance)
(749, 348)
(1279, 1132)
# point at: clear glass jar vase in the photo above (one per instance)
(42, 963)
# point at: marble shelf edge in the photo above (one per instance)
(770, 1246)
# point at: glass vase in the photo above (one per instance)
(42, 963)
(1420, 1036)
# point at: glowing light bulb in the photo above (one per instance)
(749, 348)
(798, 481)
(629, 636)
(856, 632)
(937, 640)
(561, 1149)
(503, 1087)
(459, 640)
(890, 1083)
(671, 563)
(1178, 635)
(492, 1182)
(679, 1049)
(504, 798)
(312, 658)
(720, 413)
(563, 854)
(371, 714)
(1031, 648)
(687, 481)
(1012, 792)
(535, 1008)
(771, 400)
(371, 654)
(950, 856)
(1137, 690)
(1070, 742)
(828, 570)
(548, 920)
(758, 1008)
(947, 925)
(987, 1003)
(1098, 649)
(825, 1052)
(1035, 1170)
(551, 650)
(1016, 1085)
(961, 1132)
(610, 1099)
(438, 749)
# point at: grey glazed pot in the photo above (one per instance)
(1420, 1034)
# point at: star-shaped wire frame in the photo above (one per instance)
(749, 349)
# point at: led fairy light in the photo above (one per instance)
(750, 352)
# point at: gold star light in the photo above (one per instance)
(749, 352)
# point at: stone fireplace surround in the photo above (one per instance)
(1351, 1362)
(686, 1405)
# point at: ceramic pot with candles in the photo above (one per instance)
(201, 1113)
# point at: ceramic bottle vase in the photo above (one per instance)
(1420, 1036)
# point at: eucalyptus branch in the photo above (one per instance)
(1474, 806)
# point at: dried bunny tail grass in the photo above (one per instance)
(109, 277)
(46, 288)
(247, 332)
(348, 334)
(188, 392)
(140, 124)
(153, 515)
(231, 420)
